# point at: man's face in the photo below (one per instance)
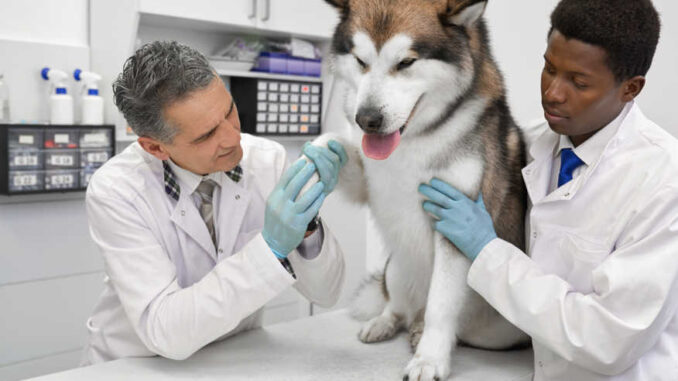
(209, 130)
(579, 92)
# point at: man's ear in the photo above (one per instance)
(632, 87)
(154, 147)
(464, 12)
(341, 5)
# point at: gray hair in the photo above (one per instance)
(158, 74)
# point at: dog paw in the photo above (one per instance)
(424, 368)
(377, 329)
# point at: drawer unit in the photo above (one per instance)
(62, 179)
(95, 138)
(62, 159)
(61, 138)
(41, 159)
(26, 181)
(278, 107)
(25, 159)
(94, 158)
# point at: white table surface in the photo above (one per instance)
(322, 347)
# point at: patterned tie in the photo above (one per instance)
(569, 161)
(205, 190)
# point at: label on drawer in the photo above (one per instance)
(61, 138)
(97, 157)
(23, 161)
(96, 138)
(25, 180)
(62, 179)
(62, 160)
(26, 139)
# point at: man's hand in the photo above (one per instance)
(328, 161)
(286, 220)
(466, 223)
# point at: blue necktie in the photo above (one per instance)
(569, 161)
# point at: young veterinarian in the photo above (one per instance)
(598, 292)
(199, 225)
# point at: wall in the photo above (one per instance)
(50, 272)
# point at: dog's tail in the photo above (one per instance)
(370, 298)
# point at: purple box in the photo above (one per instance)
(295, 66)
(272, 63)
(312, 68)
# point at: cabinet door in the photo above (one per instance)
(235, 12)
(311, 18)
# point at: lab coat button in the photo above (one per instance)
(541, 364)
(534, 235)
(221, 251)
(183, 212)
(237, 197)
(567, 194)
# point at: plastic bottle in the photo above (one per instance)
(60, 102)
(92, 103)
(4, 100)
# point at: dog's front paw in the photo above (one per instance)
(377, 329)
(427, 368)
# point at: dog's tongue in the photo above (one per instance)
(380, 147)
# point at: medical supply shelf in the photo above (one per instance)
(51, 158)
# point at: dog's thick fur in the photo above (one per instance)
(450, 106)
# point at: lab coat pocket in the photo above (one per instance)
(581, 256)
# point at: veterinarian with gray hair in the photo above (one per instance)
(199, 225)
(598, 290)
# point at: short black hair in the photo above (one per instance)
(628, 30)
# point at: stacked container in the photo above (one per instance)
(58, 158)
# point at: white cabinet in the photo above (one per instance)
(303, 17)
(308, 18)
(233, 12)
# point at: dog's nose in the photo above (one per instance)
(369, 119)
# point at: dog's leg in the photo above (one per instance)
(352, 183)
(416, 329)
(432, 359)
(382, 327)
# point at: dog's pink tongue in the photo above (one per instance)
(380, 147)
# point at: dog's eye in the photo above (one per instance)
(404, 64)
(361, 63)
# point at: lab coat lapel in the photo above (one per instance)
(537, 174)
(187, 217)
(233, 205)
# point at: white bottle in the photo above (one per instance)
(92, 103)
(60, 102)
(4, 100)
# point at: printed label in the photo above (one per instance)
(23, 161)
(25, 180)
(26, 139)
(61, 138)
(62, 160)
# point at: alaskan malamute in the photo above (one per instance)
(424, 89)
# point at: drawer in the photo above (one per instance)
(25, 138)
(22, 159)
(61, 138)
(23, 181)
(57, 179)
(94, 158)
(61, 159)
(95, 137)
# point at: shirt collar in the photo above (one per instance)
(593, 147)
(177, 178)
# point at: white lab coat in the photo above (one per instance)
(600, 295)
(168, 290)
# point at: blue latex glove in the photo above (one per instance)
(286, 220)
(328, 161)
(466, 223)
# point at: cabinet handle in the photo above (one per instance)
(253, 9)
(267, 11)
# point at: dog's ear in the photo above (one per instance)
(464, 12)
(341, 5)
